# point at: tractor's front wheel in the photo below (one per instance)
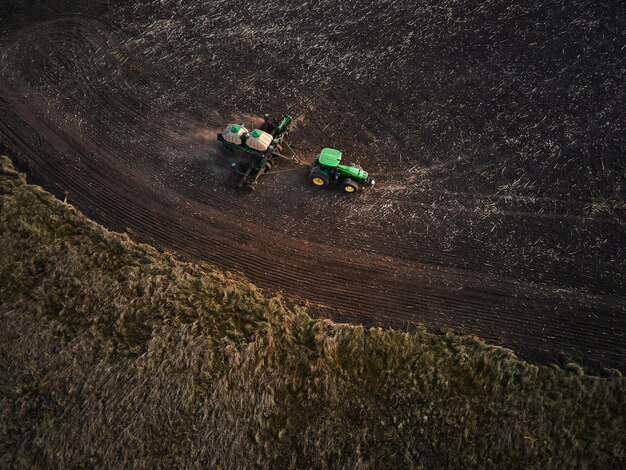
(318, 177)
(349, 186)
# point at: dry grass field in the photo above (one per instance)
(115, 355)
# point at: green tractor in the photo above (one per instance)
(328, 171)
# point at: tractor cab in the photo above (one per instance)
(329, 158)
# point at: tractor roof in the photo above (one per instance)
(329, 157)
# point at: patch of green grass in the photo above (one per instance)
(113, 355)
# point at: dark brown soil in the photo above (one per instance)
(495, 132)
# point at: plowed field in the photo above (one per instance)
(495, 132)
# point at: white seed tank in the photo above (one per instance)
(233, 133)
(259, 140)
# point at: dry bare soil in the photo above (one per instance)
(495, 130)
(113, 355)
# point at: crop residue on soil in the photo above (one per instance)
(495, 133)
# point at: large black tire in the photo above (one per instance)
(349, 186)
(318, 177)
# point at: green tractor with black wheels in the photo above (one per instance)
(328, 171)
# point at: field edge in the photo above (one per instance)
(108, 343)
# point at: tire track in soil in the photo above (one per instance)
(127, 169)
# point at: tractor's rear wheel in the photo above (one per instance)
(318, 178)
(349, 186)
